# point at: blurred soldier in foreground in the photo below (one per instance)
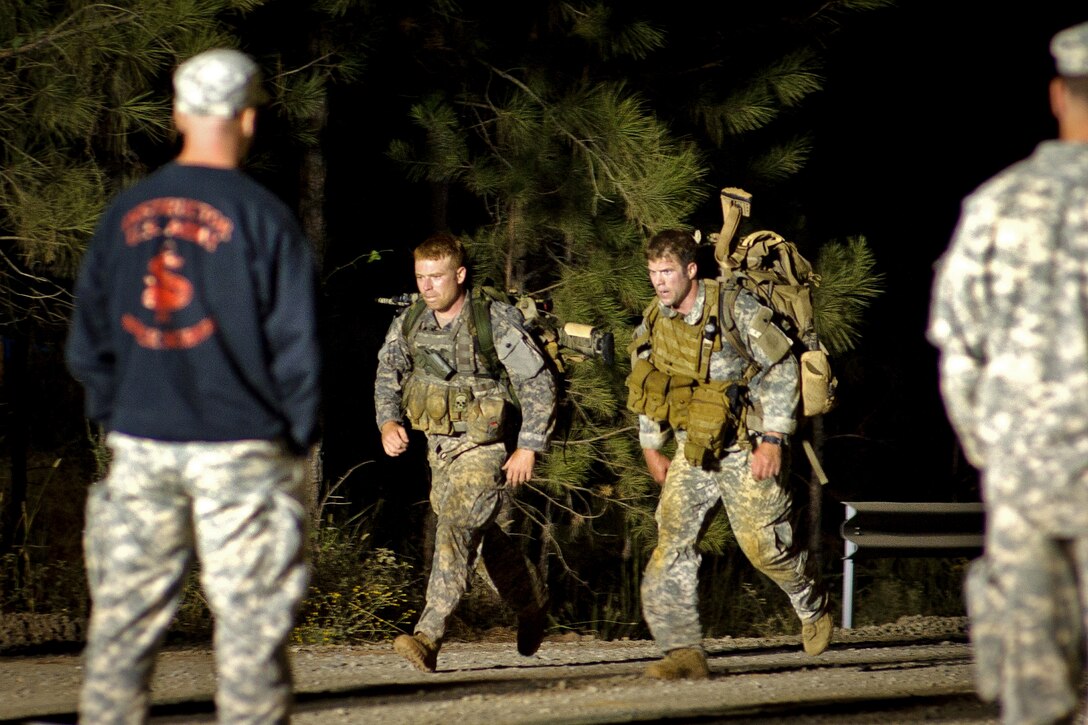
(1010, 317)
(687, 381)
(486, 410)
(194, 337)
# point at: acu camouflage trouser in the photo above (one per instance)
(759, 514)
(467, 491)
(236, 506)
(1026, 602)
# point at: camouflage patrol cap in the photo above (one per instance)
(1070, 50)
(219, 82)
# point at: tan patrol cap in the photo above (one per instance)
(219, 82)
(1070, 50)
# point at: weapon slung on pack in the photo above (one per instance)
(401, 300)
(585, 340)
(588, 340)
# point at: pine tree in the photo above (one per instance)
(85, 112)
(83, 105)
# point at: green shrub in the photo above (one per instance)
(41, 587)
(357, 593)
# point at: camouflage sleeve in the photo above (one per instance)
(393, 365)
(530, 377)
(653, 435)
(955, 326)
(777, 384)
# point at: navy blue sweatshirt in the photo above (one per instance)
(195, 313)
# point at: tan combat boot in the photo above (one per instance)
(687, 663)
(816, 635)
(419, 650)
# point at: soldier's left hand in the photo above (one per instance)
(766, 461)
(519, 467)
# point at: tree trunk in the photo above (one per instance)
(440, 204)
(313, 176)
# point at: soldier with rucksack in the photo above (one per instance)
(731, 415)
(486, 411)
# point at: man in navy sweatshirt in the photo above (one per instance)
(194, 337)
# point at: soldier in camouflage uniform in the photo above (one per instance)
(688, 382)
(194, 338)
(1010, 317)
(436, 375)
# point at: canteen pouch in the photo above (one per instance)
(485, 417)
(817, 383)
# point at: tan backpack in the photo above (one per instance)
(771, 268)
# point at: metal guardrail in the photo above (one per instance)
(903, 529)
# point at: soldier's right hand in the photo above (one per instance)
(394, 438)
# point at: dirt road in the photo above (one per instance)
(917, 670)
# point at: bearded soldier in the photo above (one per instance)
(464, 370)
(1010, 317)
(730, 424)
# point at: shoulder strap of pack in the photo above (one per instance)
(411, 317)
(480, 327)
(730, 289)
(649, 319)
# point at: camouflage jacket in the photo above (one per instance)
(775, 388)
(1009, 314)
(530, 378)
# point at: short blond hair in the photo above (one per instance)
(441, 246)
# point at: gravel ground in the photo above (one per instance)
(912, 671)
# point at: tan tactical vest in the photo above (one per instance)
(450, 390)
(673, 384)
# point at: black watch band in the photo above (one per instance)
(775, 440)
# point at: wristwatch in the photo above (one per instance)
(774, 440)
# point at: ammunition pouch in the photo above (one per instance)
(711, 412)
(415, 402)
(713, 419)
(657, 395)
(438, 409)
(681, 393)
(647, 391)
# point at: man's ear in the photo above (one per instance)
(693, 270)
(248, 119)
(462, 273)
(1057, 97)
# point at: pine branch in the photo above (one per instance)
(635, 39)
(848, 285)
(782, 161)
(21, 45)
